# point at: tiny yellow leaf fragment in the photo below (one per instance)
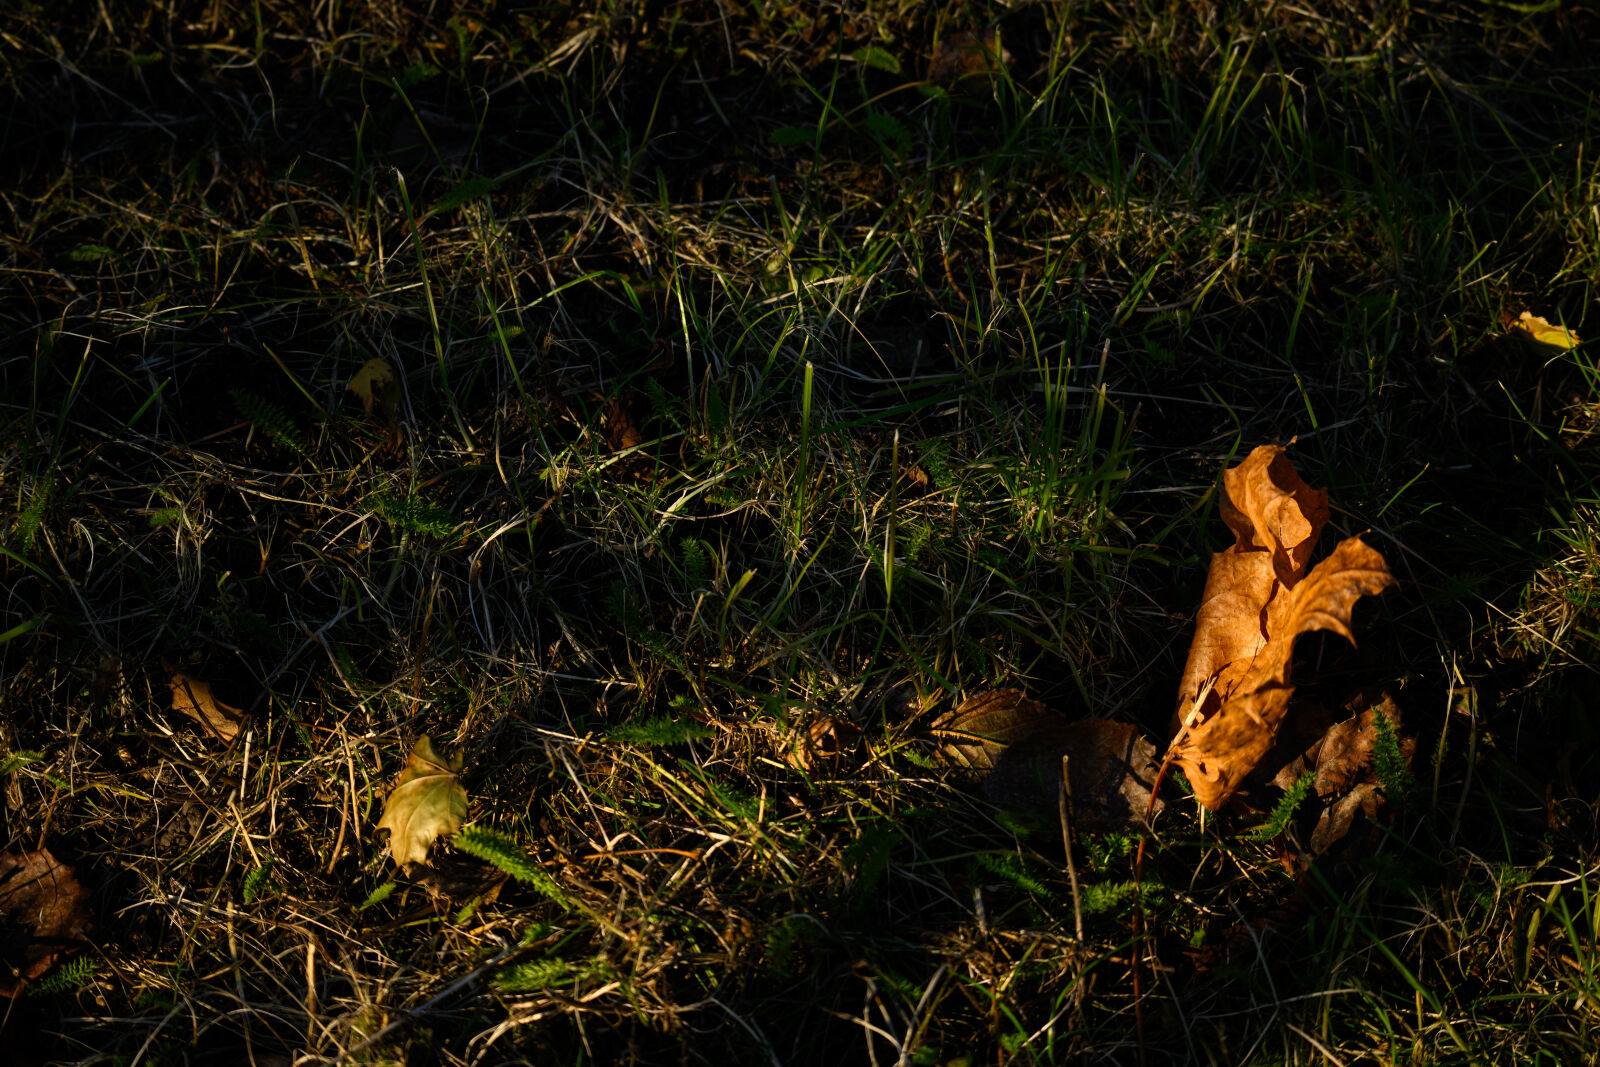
(427, 800)
(374, 386)
(195, 699)
(1537, 329)
(372, 381)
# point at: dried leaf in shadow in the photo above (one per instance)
(1111, 767)
(975, 733)
(427, 800)
(1018, 743)
(966, 55)
(372, 381)
(622, 433)
(1346, 750)
(1259, 599)
(624, 438)
(194, 698)
(1335, 821)
(43, 917)
(823, 742)
(1346, 770)
(374, 386)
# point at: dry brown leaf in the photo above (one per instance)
(1111, 767)
(968, 54)
(1259, 599)
(622, 433)
(43, 917)
(1342, 759)
(1335, 821)
(427, 800)
(1346, 749)
(981, 726)
(1276, 519)
(1019, 742)
(195, 699)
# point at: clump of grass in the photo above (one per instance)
(31, 515)
(659, 730)
(821, 379)
(509, 856)
(1284, 810)
(258, 881)
(533, 976)
(1391, 765)
(69, 977)
(270, 419)
(415, 514)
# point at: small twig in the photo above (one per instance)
(1064, 801)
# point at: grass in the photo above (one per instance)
(749, 380)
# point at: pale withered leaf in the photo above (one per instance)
(427, 800)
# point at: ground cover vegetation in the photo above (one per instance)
(626, 432)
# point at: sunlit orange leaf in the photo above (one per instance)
(1276, 519)
(1259, 599)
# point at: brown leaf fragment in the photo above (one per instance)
(1346, 749)
(194, 698)
(1111, 767)
(460, 880)
(1218, 752)
(43, 917)
(622, 433)
(968, 54)
(1334, 822)
(824, 742)
(427, 800)
(981, 726)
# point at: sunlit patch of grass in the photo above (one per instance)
(751, 374)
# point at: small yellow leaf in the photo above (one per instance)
(1536, 329)
(427, 800)
(371, 383)
(374, 386)
(195, 699)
